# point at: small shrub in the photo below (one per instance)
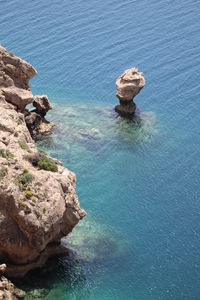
(2, 127)
(6, 154)
(28, 194)
(16, 134)
(34, 158)
(21, 203)
(24, 206)
(3, 172)
(47, 164)
(24, 146)
(9, 154)
(34, 200)
(38, 214)
(3, 138)
(11, 116)
(24, 179)
(41, 151)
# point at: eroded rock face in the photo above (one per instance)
(38, 201)
(14, 70)
(15, 74)
(35, 119)
(41, 104)
(17, 96)
(37, 125)
(8, 291)
(128, 85)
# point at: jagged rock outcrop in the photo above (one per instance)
(8, 291)
(14, 70)
(15, 74)
(17, 96)
(38, 201)
(35, 119)
(128, 85)
(42, 105)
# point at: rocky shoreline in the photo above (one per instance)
(38, 201)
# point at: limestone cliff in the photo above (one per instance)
(38, 201)
(15, 74)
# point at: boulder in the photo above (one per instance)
(17, 96)
(37, 125)
(42, 105)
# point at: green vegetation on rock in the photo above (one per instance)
(41, 151)
(24, 146)
(2, 127)
(47, 164)
(28, 194)
(3, 172)
(24, 179)
(6, 154)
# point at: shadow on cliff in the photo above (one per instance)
(93, 247)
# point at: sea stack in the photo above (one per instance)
(128, 85)
(38, 200)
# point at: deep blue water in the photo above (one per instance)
(139, 182)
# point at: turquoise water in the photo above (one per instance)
(138, 181)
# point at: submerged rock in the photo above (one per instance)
(128, 85)
(38, 200)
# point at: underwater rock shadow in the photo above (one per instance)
(66, 271)
(97, 127)
(92, 248)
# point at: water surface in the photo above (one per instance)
(138, 181)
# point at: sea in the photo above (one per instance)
(138, 180)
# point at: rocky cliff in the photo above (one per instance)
(15, 74)
(38, 201)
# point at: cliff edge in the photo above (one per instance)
(38, 200)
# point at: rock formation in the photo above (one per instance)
(8, 291)
(38, 201)
(15, 74)
(128, 85)
(35, 119)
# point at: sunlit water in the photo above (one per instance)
(138, 180)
